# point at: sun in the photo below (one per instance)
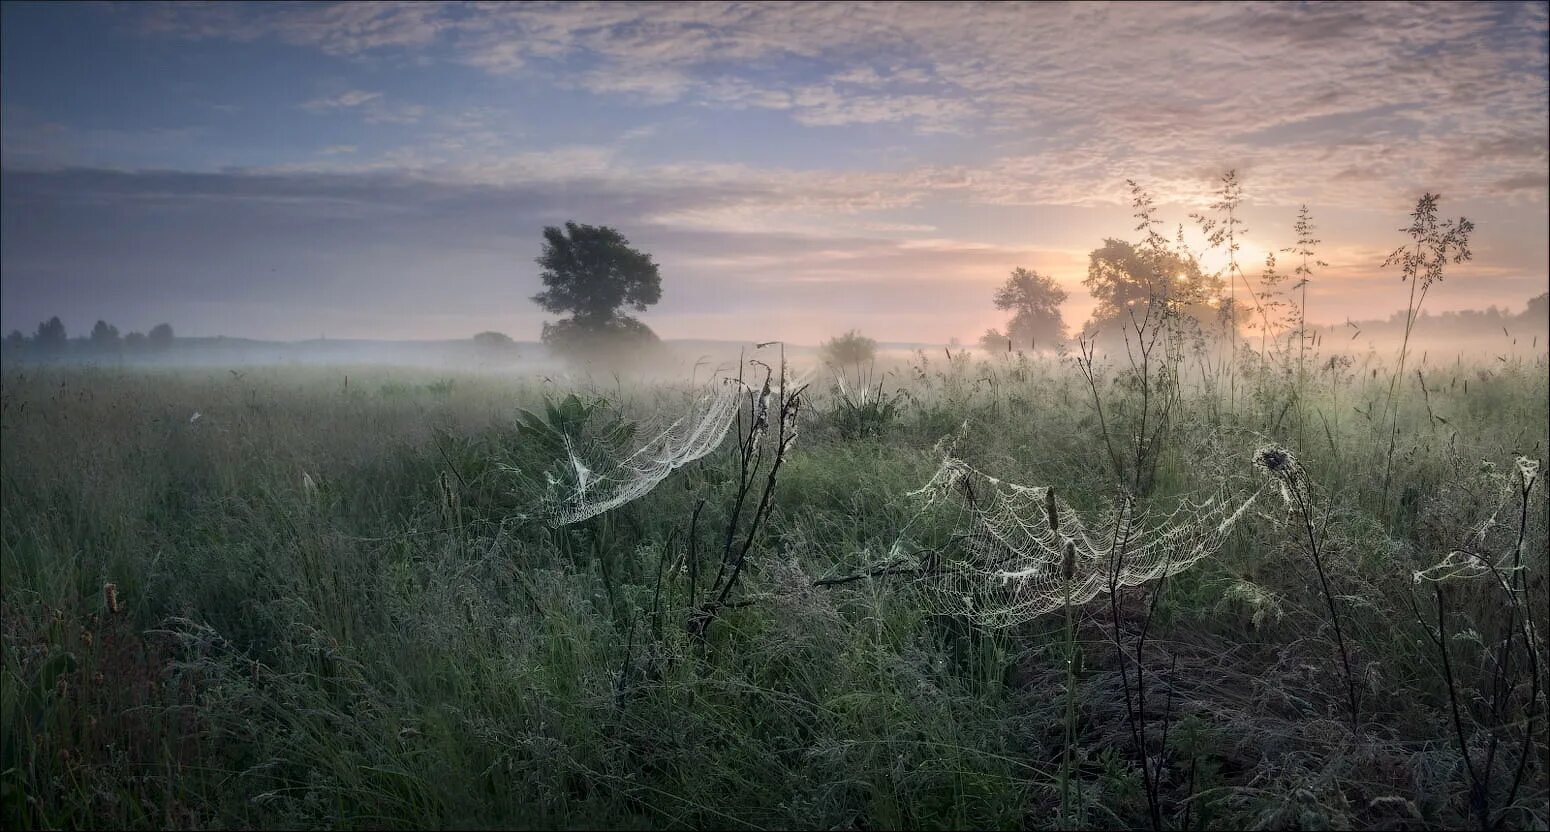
(1251, 258)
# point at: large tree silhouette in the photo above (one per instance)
(1127, 281)
(592, 274)
(1034, 299)
(104, 337)
(160, 337)
(51, 336)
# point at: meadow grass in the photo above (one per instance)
(328, 610)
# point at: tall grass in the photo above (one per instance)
(325, 614)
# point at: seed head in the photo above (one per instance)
(761, 415)
(1278, 462)
(110, 597)
(1528, 469)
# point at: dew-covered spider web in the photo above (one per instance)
(1490, 533)
(598, 479)
(1015, 563)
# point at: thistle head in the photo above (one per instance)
(1278, 463)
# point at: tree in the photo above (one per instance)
(495, 345)
(591, 273)
(134, 341)
(492, 340)
(1538, 309)
(1035, 299)
(104, 337)
(51, 336)
(850, 349)
(160, 337)
(851, 352)
(994, 341)
(16, 341)
(1127, 281)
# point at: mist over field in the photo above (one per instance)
(774, 415)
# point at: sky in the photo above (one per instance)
(385, 170)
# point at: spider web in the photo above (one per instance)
(1017, 564)
(591, 490)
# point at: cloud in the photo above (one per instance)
(645, 87)
(1451, 94)
(1352, 108)
(284, 254)
(823, 105)
(1530, 182)
(32, 142)
(373, 107)
(387, 244)
(393, 114)
(342, 101)
(336, 29)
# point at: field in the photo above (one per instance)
(328, 600)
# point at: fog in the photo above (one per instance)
(1469, 339)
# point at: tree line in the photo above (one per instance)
(593, 274)
(1531, 321)
(51, 340)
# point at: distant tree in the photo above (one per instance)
(15, 342)
(134, 341)
(851, 356)
(994, 341)
(160, 337)
(1127, 281)
(494, 340)
(495, 345)
(1035, 301)
(104, 337)
(1538, 310)
(591, 273)
(848, 350)
(51, 336)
